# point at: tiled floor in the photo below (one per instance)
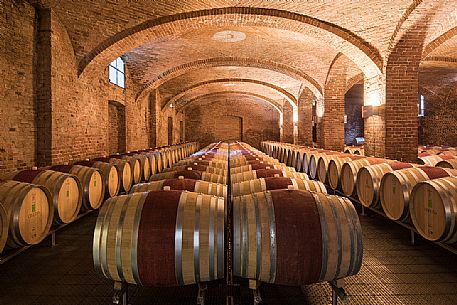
(393, 272)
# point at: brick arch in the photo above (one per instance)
(400, 25)
(437, 42)
(289, 97)
(274, 104)
(232, 61)
(357, 79)
(341, 39)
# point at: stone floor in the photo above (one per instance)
(394, 272)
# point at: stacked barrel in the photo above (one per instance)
(423, 194)
(286, 229)
(169, 231)
(31, 201)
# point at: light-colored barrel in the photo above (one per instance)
(272, 243)
(124, 170)
(274, 183)
(349, 172)
(29, 211)
(396, 188)
(184, 229)
(369, 180)
(433, 160)
(92, 184)
(433, 209)
(451, 163)
(66, 191)
(110, 177)
(109, 173)
(145, 166)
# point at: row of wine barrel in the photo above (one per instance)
(181, 219)
(392, 185)
(438, 150)
(187, 231)
(356, 150)
(288, 231)
(33, 200)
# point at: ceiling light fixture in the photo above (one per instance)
(229, 36)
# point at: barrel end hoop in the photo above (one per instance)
(120, 296)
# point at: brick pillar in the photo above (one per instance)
(333, 121)
(287, 123)
(43, 88)
(402, 94)
(305, 117)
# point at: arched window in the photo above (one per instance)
(116, 72)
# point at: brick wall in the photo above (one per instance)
(212, 119)
(17, 111)
(353, 102)
(440, 120)
(116, 127)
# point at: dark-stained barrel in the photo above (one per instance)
(162, 238)
(276, 183)
(272, 242)
(191, 185)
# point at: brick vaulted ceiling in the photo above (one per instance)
(169, 44)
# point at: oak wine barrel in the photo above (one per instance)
(257, 166)
(161, 238)
(396, 188)
(369, 180)
(334, 170)
(349, 172)
(109, 174)
(29, 213)
(273, 244)
(276, 183)
(265, 173)
(434, 159)
(323, 162)
(451, 163)
(135, 166)
(65, 189)
(191, 185)
(190, 174)
(433, 209)
(124, 170)
(145, 165)
(91, 182)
